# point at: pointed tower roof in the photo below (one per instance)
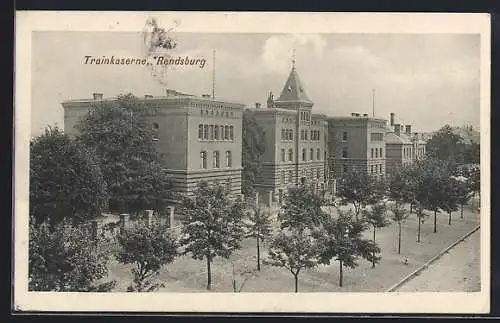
(293, 90)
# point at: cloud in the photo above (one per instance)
(277, 51)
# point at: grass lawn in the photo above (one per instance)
(188, 275)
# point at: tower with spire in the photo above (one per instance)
(295, 142)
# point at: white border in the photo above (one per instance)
(453, 303)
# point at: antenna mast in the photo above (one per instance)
(373, 102)
(213, 74)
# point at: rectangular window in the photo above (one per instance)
(211, 132)
(380, 168)
(203, 156)
(231, 132)
(344, 136)
(282, 155)
(200, 131)
(226, 132)
(381, 155)
(301, 134)
(216, 132)
(205, 132)
(303, 154)
(283, 134)
(344, 169)
(290, 154)
(376, 153)
(305, 134)
(216, 159)
(344, 152)
(311, 154)
(318, 154)
(376, 136)
(371, 169)
(372, 154)
(229, 159)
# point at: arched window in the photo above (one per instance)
(311, 154)
(203, 156)
(231, 132)
(318, 154)
(290, 154)
(216, 159)
(229, 159)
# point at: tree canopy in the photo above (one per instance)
(123, 141)
(65, 179)
(253, 148)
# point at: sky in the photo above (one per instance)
(428, 80)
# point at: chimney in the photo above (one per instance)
(408, 129)
(206, 96)
(393, 115)
(257, 105)
(397, 129)
(97, 96)
(148, 96)
(353, 114)
(365, 115)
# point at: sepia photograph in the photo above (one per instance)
(252, 162)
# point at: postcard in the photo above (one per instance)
(252, 162)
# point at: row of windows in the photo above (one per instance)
(376, 169)
(377, 136)
(304, 154)
(314, 173)
(217, 113)
(215, 132)
(305, 115)
(215, 159)
(286, 134)
(377, 152)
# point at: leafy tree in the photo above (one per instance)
(213, 225)
(148, 247)
(400, 188)
(359, 189)
(446, 145)
(65, 179)
(376, 217)
(253, 148)
(463, 192)
(450, 197)
(430, 190)
(399, 216)
(419, 212)
(258, 226)
(294, 250)
(63, 258)
(472, 153)
(119, 133)
(302, 209)
(342, 240)
(474, 181)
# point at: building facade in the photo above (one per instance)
(356, 143)
(295, 142)
(200, 138)
(403, 146)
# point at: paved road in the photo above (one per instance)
(456, 271)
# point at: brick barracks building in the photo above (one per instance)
(295, 142)
(200, 138)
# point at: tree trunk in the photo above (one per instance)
(296, 276)
(340, 276)
(418, 234)
(449, 218)
(373, 260)
(435, 221)
(472, 201)
(399, 238)
(411, 207)
(461, 211)
(209, 274)
(258, 254)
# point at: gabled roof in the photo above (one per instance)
(392, 138)
(293, 89)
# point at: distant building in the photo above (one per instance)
(356, 143)
(201, 138)
(295, 142)
(403, 147)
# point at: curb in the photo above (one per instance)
(429, 262)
